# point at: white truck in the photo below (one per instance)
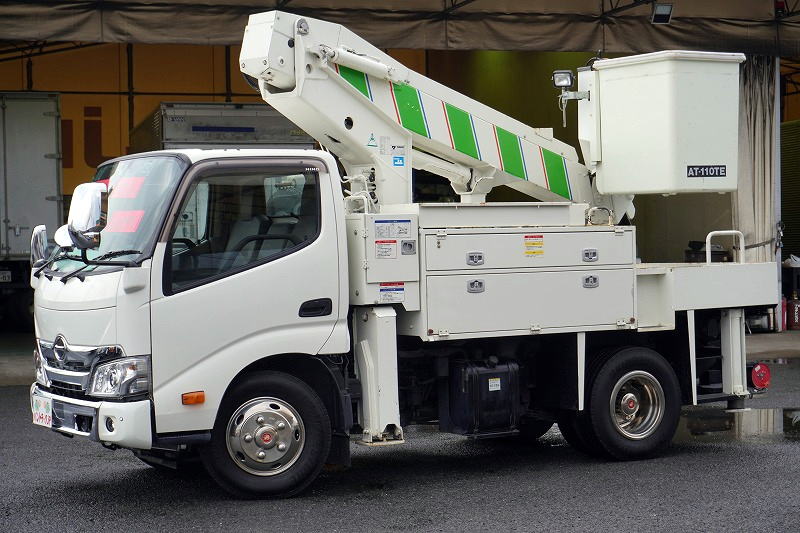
(30, 192)
(206, 125)
(300, 315)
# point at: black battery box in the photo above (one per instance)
(483, 398)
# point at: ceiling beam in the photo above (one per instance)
(44, 52)
(456, 5)
(619, 9)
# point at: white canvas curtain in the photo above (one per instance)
(753, 203)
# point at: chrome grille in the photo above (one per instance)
(68, 390)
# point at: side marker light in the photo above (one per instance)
(193, 398)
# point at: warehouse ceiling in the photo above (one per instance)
(614, 26)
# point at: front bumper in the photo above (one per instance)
(131, 421)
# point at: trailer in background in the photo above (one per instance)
(30, 192)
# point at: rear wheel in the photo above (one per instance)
(271, 437)
(635, 404)
(576, 427)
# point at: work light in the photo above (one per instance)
(562, 78)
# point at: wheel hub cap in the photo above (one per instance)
(265, 436)
(629, 404)
(637, 405)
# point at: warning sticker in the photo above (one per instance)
(392, 228)
(393, 292)
(386, 249)
(534, 245)
(494, 384)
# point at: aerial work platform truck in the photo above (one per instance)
(261, 310)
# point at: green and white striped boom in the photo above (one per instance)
(382, 119)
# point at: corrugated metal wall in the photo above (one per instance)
(790, 186)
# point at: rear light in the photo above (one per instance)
(760, 376)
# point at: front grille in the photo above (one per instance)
(69, 390)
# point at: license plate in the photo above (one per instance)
(42, 411)
(5, 276)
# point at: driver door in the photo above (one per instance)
(250, 269)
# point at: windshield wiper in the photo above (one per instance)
(112, 255)
(61, 254)
(101, 260)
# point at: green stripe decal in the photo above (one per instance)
(510, 152)
(556, 173)
(355, 78)
(409, 108)
(461, 130)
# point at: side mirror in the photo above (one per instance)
(87, 215)
(63, 238)
(38, 245)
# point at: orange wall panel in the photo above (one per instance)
(94, 129)
(791, 107)
(173, 68)
(12, 76)
(96, 68)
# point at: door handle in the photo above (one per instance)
(318, 307)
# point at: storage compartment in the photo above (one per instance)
(528, 302)
(533, 248)
(668, 122)
(482, 398)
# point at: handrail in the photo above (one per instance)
(725, 232)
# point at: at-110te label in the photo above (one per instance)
(706, 171)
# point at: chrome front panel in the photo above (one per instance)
(68, 367)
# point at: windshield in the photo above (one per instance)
(140, 190)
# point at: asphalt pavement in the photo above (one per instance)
(725, 471)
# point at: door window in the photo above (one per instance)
(232, 221)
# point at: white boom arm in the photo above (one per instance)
(382, 119)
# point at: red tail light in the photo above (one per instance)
(760, 375)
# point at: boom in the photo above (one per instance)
(382, 119)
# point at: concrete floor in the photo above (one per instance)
(16, 363)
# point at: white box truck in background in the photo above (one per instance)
(30, 192)
(180, 125)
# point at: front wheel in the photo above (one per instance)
(271, 437)
(635, 404)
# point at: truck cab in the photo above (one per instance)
(209, 262)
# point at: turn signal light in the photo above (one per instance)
(760, 375)
(192, 398)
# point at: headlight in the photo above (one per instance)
(123, 377)
(41, 375)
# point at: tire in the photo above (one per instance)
(280, 437)
(635, 404)
(577, 430)
(532, 430)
